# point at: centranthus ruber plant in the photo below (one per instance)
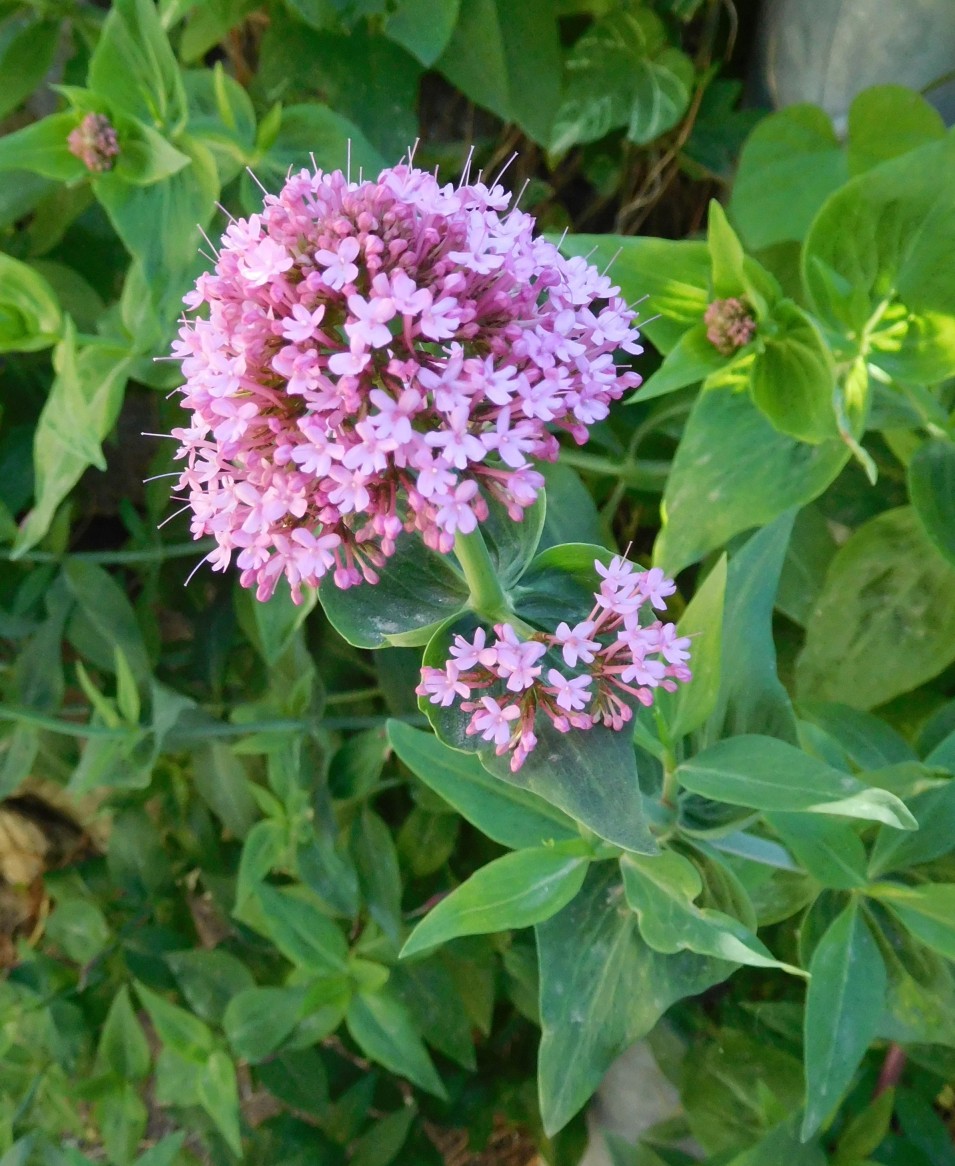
(375, 371)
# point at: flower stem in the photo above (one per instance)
(487, 595)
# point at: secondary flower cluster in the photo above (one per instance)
(617, 652)
(381, 356)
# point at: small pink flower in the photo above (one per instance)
(575, 643)
(494, 723)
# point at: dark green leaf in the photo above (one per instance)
(843, 1009)
(382, 1029)
(218, 1094)
(423, 27)
(934, 810)
(766, 774)
(27, 49)
(506, 57)
(417, 591)
(257, 1020)
(301, 931)
(511, 816)
(927, 911)
(518, 890)
(209, 979)
(601, 989)
(733, 466)
(831, 852)
(123, 1048)
(179, 1031)
(931, 481)
(661, 891)
(886, 585)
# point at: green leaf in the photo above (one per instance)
(179, 1031)
(518, 890)
(79, 928)
(218, 1095)
(733, 466)
(751, 697)
(832, 852)
(691, 360)
(209, 980)
(159, 224)
(886, 585)
(381, 1027)
(423, 27)
(789, 165)
(931, 482)
(123, 1048)
(257, 1020)
(661, 891)
(417, 591)
(30, 316)
(27, 50)
(110, 623)
(41, 148)
(382, 1143)
(765, 774)
(885, 269)
(315, 131)
(927, 911)
(506, 57)
(514, 817)
(793, 378)
(122, 1118)
(620, 73)
(702, 620)
(301, 932)
(276, 621)
(378, 874)
(934, 811)
(886, 121)
(601, 989)
(674, 278)
(512, 545)
(868, 741)
(439, 1004)
(780, 1145)
(134, 66)
(843, 1008)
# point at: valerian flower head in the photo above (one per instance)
(730, 325)
(95, 143)
(621, 652)
(383, 356)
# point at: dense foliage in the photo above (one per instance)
(261, 899)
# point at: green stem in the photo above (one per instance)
(155, 554)
(487, 595)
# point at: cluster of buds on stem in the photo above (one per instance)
(95, 143)
(730, 325)
(620, 653)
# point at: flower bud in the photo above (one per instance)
(95, 143)
(729, 325)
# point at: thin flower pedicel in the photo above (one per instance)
(383, 356)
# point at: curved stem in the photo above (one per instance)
(487, 595)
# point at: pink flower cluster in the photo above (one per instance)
(383, 356)
(506, 683)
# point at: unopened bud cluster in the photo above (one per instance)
(730, 325)
(95, 143)
(620, 653)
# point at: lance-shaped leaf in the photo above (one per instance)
(765, 774)
(601, 988)
(514, 817)
(661, 890)
(927, 911)
(931, 480)
(517, 890)
(384, 1031)
(844, 1006)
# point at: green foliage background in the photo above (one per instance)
(227, 835)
